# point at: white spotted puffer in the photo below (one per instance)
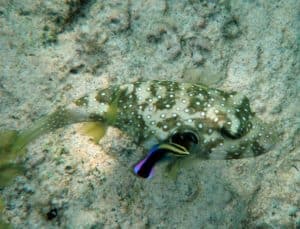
(221, 124)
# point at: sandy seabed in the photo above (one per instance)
(52, 52)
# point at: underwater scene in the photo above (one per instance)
(149, 114)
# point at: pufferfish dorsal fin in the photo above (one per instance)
(206, 76)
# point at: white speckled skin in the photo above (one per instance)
(151, 112)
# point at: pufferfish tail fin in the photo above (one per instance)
(13, 143)
(8, 168)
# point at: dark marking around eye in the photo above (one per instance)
(226, 133)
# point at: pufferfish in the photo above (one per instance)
(165, 117)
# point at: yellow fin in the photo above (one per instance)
(95, 130)
(112, 113)
(173, 169)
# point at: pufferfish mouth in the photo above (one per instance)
(179, 144)
(186, 139)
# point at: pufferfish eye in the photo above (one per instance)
(186, 139)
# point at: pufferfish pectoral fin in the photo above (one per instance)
(95, 130)
(145, 168)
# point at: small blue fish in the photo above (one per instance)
(145, 168)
